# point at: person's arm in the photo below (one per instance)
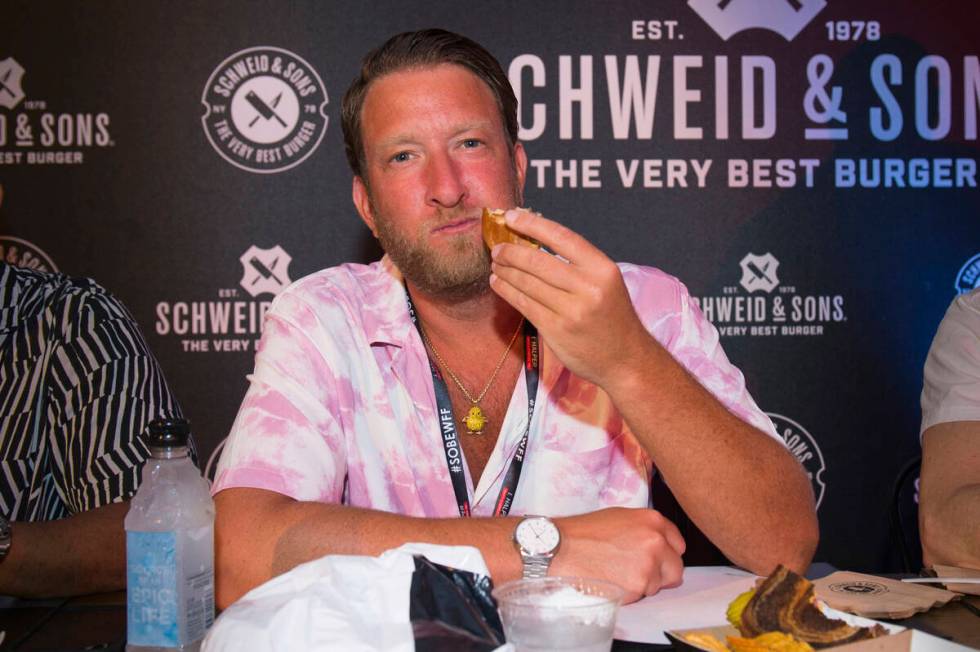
(949, 494)
(103, 387)
(260, 534)
(83, 553)
(741, 487)
(280, 481)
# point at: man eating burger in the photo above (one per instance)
(511, 399)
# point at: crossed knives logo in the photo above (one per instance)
(785, 17)
(11, 92)
(265, 271)
(759, 272)
(265, 121)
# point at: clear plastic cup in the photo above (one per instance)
(573, 614)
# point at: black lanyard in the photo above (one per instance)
(447, 424)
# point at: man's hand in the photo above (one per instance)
(581, 307)
(638, 549)
(702, 449)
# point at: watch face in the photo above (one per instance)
(537, 536)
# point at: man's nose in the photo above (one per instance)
(446, 187)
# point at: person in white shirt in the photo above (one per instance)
(949, 500)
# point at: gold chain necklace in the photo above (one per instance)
(475, 420)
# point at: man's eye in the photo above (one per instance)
(471, 143)
(400, 157)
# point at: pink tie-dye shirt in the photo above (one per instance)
(341, 406)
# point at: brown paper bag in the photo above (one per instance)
(959, 571)
(878, 597)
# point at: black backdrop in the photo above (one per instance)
(130, 151)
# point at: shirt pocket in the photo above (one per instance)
(567, 482)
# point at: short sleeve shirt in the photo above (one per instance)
(78, 388)
(341, 406)
(951, 378)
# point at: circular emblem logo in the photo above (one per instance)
(21, 253)
(265, 109)
(864, 588)
(802, 444)
(969, 275)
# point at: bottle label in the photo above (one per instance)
(198, 564)
(151, 585)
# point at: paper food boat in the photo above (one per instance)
(899, 639)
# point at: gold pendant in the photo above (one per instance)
(474, 420)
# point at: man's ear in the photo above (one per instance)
(362, 202)
(520, 169)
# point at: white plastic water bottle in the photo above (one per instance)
(169, 548)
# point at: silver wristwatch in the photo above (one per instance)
(537, 539)
(5, 537)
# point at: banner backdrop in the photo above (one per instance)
(807, 167)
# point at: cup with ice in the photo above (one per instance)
(572, 614)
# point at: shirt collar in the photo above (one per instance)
(391, 324)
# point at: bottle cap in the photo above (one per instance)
(169, 432)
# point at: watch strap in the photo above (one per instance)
(535, 567)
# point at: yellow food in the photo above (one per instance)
(706, 641)
(735, 609)
(768, 642)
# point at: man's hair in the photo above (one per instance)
(422, 49)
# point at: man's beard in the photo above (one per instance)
(462, 273)
(459, 273)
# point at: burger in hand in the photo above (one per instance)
(496, 231)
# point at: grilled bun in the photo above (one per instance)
(496, 231)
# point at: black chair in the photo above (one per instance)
(904, 515)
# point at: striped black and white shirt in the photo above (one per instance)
(78, 387)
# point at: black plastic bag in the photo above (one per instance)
(452, 610)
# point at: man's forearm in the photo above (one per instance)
(949, 501)
(952, 535)
(745, 491)
(84, 553)
(260, 535)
